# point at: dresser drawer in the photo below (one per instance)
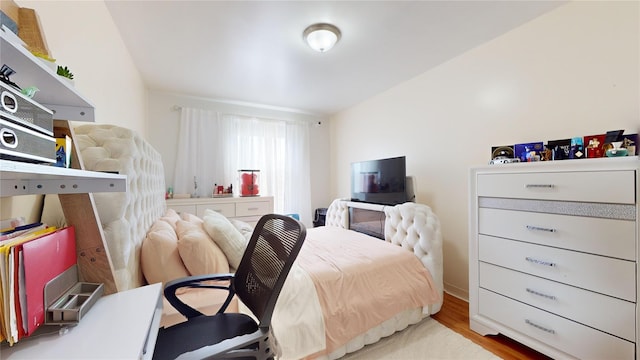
(578, 340)
(190, 209)
(253, 208)
(607, 237)
(587, 186)
(605, 275)
(226, 209)
(567, 301)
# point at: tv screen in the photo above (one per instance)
(381, 181)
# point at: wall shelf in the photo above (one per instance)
(56, 93)
(75, 186)
(19, 178)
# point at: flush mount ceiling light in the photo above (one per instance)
(321, 37)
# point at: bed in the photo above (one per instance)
(321, 312)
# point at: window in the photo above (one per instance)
(214, 146)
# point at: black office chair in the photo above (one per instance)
(274, 245)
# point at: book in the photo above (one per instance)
(577, 148)
(528, 151)
(630, 142)
(63, 152)
(560, 149)
(593, 145)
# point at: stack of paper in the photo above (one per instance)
(27, 262)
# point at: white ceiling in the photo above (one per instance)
(252, 51)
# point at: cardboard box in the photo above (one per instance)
(10, 9)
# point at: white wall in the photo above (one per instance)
(164, 127)
(571, 72)
(82, 36)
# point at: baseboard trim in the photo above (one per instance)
(460, 293)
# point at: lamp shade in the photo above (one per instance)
(321, 37)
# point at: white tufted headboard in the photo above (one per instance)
(411, 226)
(125, 216)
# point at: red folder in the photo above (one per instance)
(45, 258)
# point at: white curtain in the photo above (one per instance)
(278, 148)
(196, 161)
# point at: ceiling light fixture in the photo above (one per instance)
(321, 37)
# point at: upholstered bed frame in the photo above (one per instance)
(126, 217)
(413, 227)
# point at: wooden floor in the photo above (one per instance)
(455, 315)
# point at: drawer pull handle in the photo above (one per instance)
(529, 322)
(531, 291)
(548, 186)
(252, 209)
(538, 228)
(540, 262)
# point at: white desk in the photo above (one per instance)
(118, 326)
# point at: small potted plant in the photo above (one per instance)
(65, 72)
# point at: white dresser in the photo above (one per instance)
(553, 250)
(248, 209)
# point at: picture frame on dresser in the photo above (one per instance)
(544, 248)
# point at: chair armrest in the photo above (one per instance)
(230, 348)
(196, 282)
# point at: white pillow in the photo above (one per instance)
(225, 235)
(245, 229)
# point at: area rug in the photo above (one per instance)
(426, 340)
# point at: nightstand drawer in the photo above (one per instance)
(563, 300)
(226, 209)
(605, 275)
(573, 338)
(252, 208)
(588, 186)
(607, 237)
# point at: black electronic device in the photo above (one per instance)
(381, 181)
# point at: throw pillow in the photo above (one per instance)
(199, 253)
(159, 256)
(228, 238)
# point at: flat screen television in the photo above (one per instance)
(381, 181)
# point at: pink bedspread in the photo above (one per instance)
(362, 281)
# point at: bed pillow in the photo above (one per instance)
(190, 218)
(159, 257)
(199, 253)
(228, 238)
(171, 217)
(245, 229)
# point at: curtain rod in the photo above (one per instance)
(315, 122)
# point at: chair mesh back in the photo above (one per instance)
(274, 245)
